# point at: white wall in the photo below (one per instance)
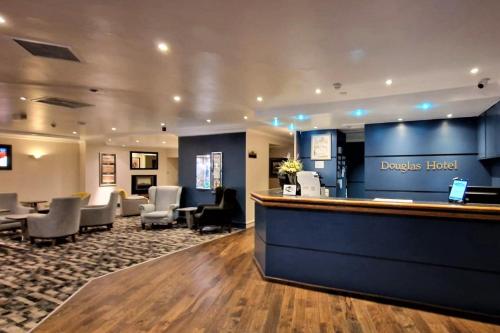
(55, 174)
(100, 195)
(257, 169)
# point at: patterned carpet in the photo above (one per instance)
(34, 280)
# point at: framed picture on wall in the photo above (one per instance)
(216, 169)
(203, 172)
(321, 147)
(274, 165)
(107, 169)
(5, 157)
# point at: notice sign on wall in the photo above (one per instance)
(427, 165)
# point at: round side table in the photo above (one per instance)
(189, 214)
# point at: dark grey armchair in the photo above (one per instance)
(220, 215)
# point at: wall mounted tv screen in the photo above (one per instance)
(5, 157)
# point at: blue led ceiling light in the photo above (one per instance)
(359, 113)
(291, 127)
(275, 122)
(424, 106)
(301, 117)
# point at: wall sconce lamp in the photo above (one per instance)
(37, 155)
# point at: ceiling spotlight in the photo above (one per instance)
(123, 146)
(245, 117)
(400, 119)
(315, 127)
(162, 124)
(137, 141)
(260, 99)
(209, 121)
(449, 115)
(177, 98)
(474, 71)
(113, 129)
(22, 98)
(75, 132)
(2, 20)
(163, 47)
(109, 139)
(164, 142)
(318, 91)
(388, 82)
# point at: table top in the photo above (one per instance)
(33, 201)
(187, 209)
(16, 217)
(3, 210)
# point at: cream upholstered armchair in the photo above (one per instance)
(62, 220)
(8, 201)
(130, 204)
(162, 207)
(95, 216)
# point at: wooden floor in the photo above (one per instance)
(216, 287)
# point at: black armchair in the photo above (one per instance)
(219, 192)
(218, 215)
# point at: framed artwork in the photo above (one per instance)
(136, 163)
(107, 169)
(5, 157)
(203, 167)
(216, 169)
(274, 166)
(321, 147)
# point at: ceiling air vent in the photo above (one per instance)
(45, 50)
(62, 102)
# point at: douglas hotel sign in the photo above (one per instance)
(428, 165)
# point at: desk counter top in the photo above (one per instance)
(274, 198)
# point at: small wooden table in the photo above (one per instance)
(33, 203)
(189, 214)
(23, 219)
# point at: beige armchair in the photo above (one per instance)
(84, 198)
(130, 204)
(62, 220)
(95, 216)
(162, 207)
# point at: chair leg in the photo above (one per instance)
(73, 238)
(32, 240)
(53, 242)
(109, 226)
(143, 226)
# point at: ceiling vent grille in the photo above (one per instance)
(62, 102)
(45, 50)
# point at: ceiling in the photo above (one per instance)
(223, 54)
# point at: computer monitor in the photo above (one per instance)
(482, 194)
(457, 192)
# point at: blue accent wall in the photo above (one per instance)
(417, 142)
(489, 133)
(233, 148)
(329, 172)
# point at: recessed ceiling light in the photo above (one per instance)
(291, 133)
(109, 139)
(123, 146)
(260, 99)
(475, 70)
(315, 127)
(449, 115)
(209, 121)
(75, 132)
(162, 124)
(164, 142)
(388, 82)
(163, 47)
(113, 129)
(245, 117)
(22, 98)
(400, 119)
(177, 98)
(2, 20)
(318, 91)
(137, 141)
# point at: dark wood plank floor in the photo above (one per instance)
(215, 287)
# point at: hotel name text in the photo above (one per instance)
(428, 165)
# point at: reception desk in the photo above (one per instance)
(437, 254)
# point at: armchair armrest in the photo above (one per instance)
(146, 208)
(23, 210)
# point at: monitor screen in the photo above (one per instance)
(458, 188)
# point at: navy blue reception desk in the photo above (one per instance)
(436, 254)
